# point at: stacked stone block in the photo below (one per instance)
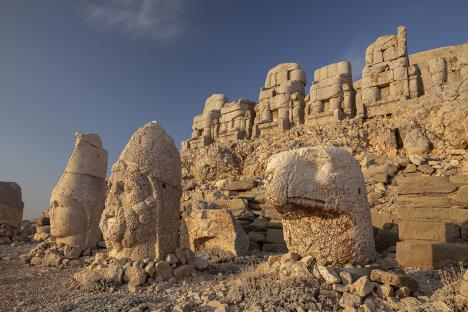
(260, 221)
(387, 75)
(245, 200)
(206, 126)
(331, 95)
(236, 121)
(222, 122)
(432, 220)
(449, 74)
(281, 101)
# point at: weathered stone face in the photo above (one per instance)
(321, 195)
(141, 217)
(11, 207)
(77, 201)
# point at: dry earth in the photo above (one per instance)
(238, 283)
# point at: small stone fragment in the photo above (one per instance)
(164, 270)
(199, 263)
(36, 261)
(135, 275)
(403, 292)
(362, 287)
(171, 259)
(346, 278)
(349, 301)
(393, 279)
(183, 271)
(384, 291)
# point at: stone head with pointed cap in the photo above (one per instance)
(77, 202)
(141, 216)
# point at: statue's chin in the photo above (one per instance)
(113, 232)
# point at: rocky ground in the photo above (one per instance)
(251, 283)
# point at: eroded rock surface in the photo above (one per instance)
(11, 208)
(77, 202)
(321, 195)
(141, 218)
(214, 230)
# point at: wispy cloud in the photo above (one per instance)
(355, 54)
(157, 19)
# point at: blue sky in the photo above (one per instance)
(111, 66)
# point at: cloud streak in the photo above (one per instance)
(156, 19)
(355, 54)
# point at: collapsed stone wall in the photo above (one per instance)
(406, 118)
(391, 80)
(423, 137)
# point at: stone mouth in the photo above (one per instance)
(307, 207)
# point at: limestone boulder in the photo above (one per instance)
(393, 279)
(211, 163)
(141, 215)
(77, 202)
(214, 230)
(242, 184)
(93, 278)
(416, 142)
(11, 205)
(321, 195)
(451, 123)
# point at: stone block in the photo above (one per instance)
(400, 73)
(429, 231)
(269, 212)
(385, 229)
(317, 75)
(430, 255)
(11, 204)
(454, 215)
(270, 247)
(464, 58)
(423, 184)
(256, 236)
(328, 92)
(214, 229)
(237, 206)
(393, 279)
(464, 288)
(275, 236)
(425, 201)
(382, 220)
(243, 184)
(461, 195)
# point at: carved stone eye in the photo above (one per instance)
(120, 187)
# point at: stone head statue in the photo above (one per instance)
(141, 216)
(11, 208)
(214, 103)
(77, 201)
(321, 195)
